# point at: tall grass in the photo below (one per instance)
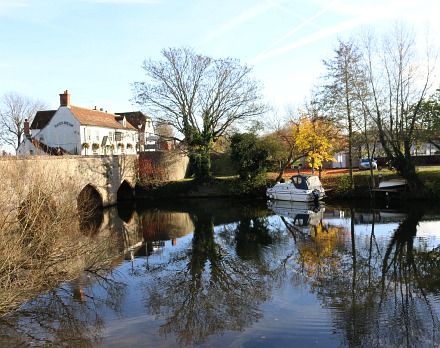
(41, 243)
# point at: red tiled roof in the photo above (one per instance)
(85, 117)
(98, 118)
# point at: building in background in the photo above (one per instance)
(80, 131)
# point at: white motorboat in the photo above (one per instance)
(393, 184)
(300, 188)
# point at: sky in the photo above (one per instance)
(95, 48)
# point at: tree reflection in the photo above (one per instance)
(251, 234)
(403, 288)
(72, 314)
(377, 293)
(208, 289)
(59, 319)
(318, 252)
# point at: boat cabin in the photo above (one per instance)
(305, 182)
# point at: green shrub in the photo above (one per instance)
(431, 189)
(343, 189)
(251, 188)
(249, 156)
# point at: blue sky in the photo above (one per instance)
(95, 48)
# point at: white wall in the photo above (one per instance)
(62, 130)
(26, 148)
(94, 135)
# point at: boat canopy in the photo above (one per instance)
(306, 182)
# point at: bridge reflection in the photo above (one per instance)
(140, 232)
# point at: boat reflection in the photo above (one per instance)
(302, 213)
(381, 216)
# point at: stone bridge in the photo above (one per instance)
(103, 179)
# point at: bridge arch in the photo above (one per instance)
(69, 175)
(89, 197)
(90, 204)
(125, 191)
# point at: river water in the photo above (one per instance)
(222, 273)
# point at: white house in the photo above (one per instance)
(76, 130)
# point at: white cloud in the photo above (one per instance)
(309, 39)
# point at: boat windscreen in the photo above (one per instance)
(299, 182)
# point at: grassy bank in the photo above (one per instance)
(335, 182)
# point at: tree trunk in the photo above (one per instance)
(283, 167)
(407, 170)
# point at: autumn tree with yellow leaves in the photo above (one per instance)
(315, 138)
(318, 138)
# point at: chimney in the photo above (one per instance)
(65, 99)
(26, 129)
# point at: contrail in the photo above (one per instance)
(294, 30)
(314, 37)
(237, 21)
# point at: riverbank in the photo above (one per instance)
(335, 182)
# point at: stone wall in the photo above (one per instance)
(162, 166)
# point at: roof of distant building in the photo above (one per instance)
(85, 116)
(98, 118)
(135, 118)
(42, 118)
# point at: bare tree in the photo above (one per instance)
(14, 110)
(399, 78)
(164, 130)
(200, 97)
(280, 140)
(342, 78)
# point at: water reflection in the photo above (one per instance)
(302, 213)
(217, 290)
(213, 272)
(378, 295)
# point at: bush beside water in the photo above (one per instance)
(337, 186)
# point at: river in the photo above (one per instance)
(222, 273)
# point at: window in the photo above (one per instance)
(97, 135)
(118, 136)
(110, 136)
